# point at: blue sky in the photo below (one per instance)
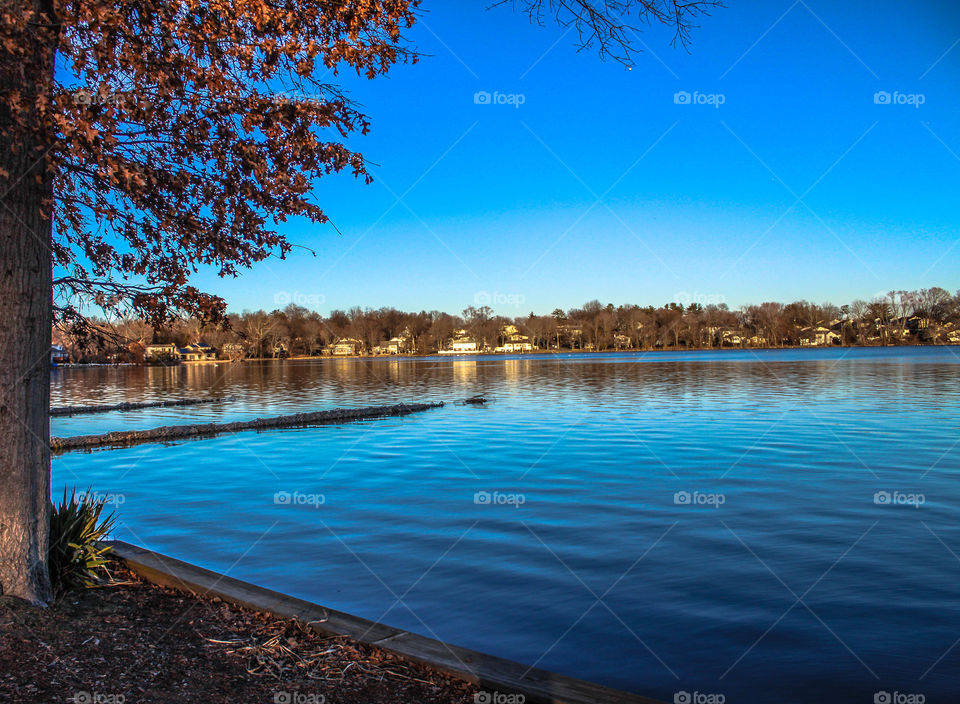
(604, 184)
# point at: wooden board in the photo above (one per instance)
(487, 671)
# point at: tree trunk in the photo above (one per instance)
(26, 193)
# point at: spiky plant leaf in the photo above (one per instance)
(76, 557)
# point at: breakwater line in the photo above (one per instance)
(166, 433)
(129, 406)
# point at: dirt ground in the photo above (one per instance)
(137, 642)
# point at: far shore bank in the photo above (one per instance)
(494, 355)
(540, 353)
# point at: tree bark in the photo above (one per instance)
(26, 195)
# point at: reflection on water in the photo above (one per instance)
(819, 575)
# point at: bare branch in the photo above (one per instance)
(612, 26)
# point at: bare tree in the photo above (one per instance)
(612, 27)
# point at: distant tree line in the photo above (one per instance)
(928, 316)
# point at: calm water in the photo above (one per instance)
(664, 522)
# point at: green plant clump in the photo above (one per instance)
(77, 559)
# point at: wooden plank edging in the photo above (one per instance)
(486, 671)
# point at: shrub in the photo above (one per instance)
(77, 559)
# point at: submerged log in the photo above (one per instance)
(129, 406)
(474, 401)
(175, 432)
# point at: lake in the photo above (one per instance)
(766, 525)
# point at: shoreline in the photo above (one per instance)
(488, 673)
(541, 353)
(509, 355)
(133, 640)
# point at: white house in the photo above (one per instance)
(346, 346)
(395, 345)
(161, 350)
(197, 352)
(818, 336)
(514, 341)
(462, 344)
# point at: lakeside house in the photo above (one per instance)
(513, 341)
(461, 344)
(725, 336)
(621, 341)
(818, 336)
(731, 338)
(59, 355)
(572, 333)
(197, 352)
(168, 351)
(158, 352)
(395, 345)
(515, 347)
(346, 346)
